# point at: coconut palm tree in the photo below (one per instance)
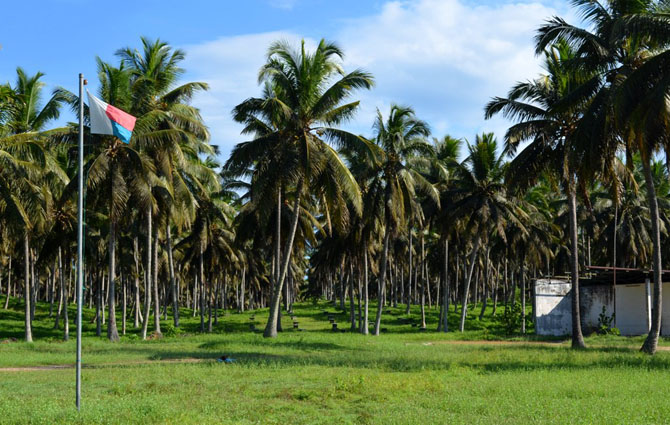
(621, 37)
(169, 130)
(479, 197)
(441, 174)
(117, 172)
(641, 104)
(309, 90)
(401, 141)
(547, 120)
(25, 160)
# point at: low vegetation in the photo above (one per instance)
(317, 376)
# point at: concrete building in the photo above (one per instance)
(629, 301)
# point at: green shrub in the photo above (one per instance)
(170, 331)
(511, 319)
(605, 324)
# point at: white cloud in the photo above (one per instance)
(446, 58)
(230, 66)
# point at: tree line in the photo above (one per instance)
(306, 209)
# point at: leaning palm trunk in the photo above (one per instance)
(147, 279)
(271, 327)
(173, 284)
(577, 337)
(466, 289)
(112, 331)
(651, 343)
(382, 282)
(26, 289)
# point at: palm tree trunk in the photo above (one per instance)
(242, 287)
(651, 343)
(157, 304)
(98, 306)
(271, 327)
(522, 279)
(422, 262)
(136, 319)
(445, 301)
(359, 297)
(485, 282)
(382, 281)
(112, 331)
(409, 275)
(201, 289)
(9, 282)
(147, 278)
(496, 290)
(577, 337)
(466, 288)
(57, 273)
(366, 319)
(209, 303)
(33, 285)
(65, 292)
(342, 286)
(352, 312)
(51, 281)
(26, 289)
(173, 284)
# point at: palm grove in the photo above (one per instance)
(306, 209)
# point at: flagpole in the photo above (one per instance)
(80, 235)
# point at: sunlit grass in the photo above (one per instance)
(319, 376)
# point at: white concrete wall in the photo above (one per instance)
(632, 317)
(665, 311)
(553, 311)
(592, 299)
(553, 307)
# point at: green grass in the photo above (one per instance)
(317, 376)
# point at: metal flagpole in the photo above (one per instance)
(80, 235)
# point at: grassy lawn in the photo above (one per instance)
(317, 376)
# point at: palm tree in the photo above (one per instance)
(309, 89)
(642, 105)
(400, 138)
(621, 38)
(546, 118)
(441, 174)
(169, 130)
(479, 197)
(24, 159)
(120, 172)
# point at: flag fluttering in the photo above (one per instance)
(108, 119)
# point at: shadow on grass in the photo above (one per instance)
(299, 345)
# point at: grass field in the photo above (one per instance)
(315, 376)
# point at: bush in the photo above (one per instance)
(511, 319)
(605, 324)
(170, 331)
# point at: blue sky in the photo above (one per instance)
(445, 58)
